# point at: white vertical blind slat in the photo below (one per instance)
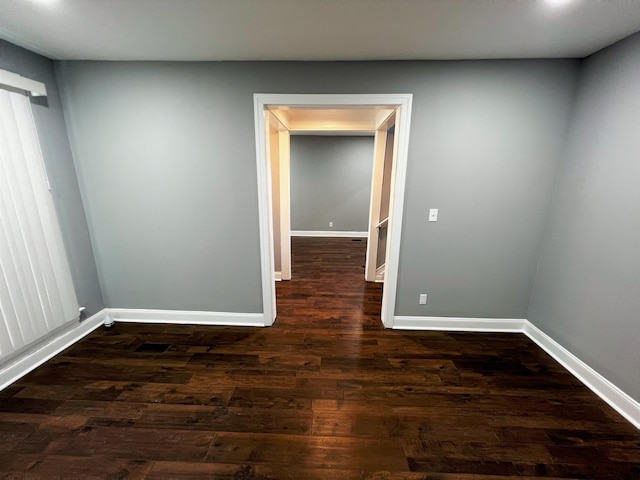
(14, 256)
(19, 208)
(33, 189)
(61, 278)
(8, 338)
(7, 341)
(37, 289)
(14, 305)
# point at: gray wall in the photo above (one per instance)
(587, 291)
(166, 160)
(331, 182)
(59, 164)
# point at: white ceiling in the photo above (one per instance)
(316, 29)
(348, 120)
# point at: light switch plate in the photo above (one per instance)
(433, 215)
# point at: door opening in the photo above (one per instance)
(395, 112)
(385, 151)
(278, 148)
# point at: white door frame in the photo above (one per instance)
(402, 103)
(379, 160)
(284, 150)
(283, 195)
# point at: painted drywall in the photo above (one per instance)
(165, 155)
(586, 293)
(54, 142)
(331, 182)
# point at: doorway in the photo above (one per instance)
(400, 104)
(385, 153)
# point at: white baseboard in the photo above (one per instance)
(277, 276)
(610, 393)
(30, 360)
(607, 391)
(459, 324)
(187, 317)
(328, 233)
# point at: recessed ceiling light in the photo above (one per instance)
(558, 3)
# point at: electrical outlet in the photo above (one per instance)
(423, 299)
(433, 215)
(331, 224)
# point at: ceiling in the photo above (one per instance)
(316, 29)
(318, 121)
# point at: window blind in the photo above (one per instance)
(36, 288)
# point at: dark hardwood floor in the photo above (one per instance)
(326, 393)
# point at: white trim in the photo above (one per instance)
(277, 276)
(603, 388)
(402, 103)
(383, 223)
(379, 278)
(18, 82)
(396, 209)
(284, 154)
(187, 317)
(328, 233)
(265, 222)
(30, 360)
(607, 391)
(377, 174)
(459, 324)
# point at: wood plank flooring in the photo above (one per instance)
(326, 393)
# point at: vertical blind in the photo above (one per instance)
(36, 288)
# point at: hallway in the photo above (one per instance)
(328, 288)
